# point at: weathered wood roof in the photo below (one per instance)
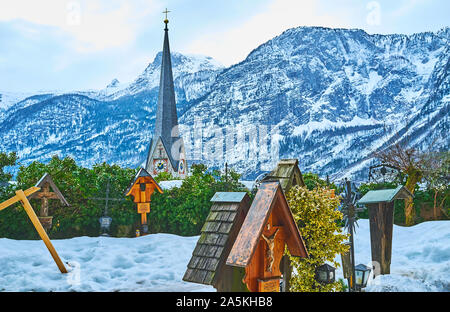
(228, 197)
(270, 196)
(387, 195)
(217, 237)
(142, 173)
(47, 178)
(288, 173)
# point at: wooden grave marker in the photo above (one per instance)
(45, 194)
(142, 188)
(207, 265)
(268, 227)
(288, 173)
(21, 196)
(381, 216)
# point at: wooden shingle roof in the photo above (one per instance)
(217, 236)
(47, 178)
(288, 173)
(142, 173)
(387, 195)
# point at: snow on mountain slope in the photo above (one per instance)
(330, 96)
(183, 67)
(334, 95)
(108, 125)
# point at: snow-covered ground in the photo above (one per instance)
(147, 263)
(420, 262)
(420, 257)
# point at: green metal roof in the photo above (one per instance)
(228, 197)
(388, 195)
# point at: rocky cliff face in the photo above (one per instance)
(329, 97)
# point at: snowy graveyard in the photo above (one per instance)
(157, 262)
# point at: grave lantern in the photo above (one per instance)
(325, 274)
(105, 223)
(142, 188)
(362, 273)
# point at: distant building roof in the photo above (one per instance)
(217, 236)
(387, 195)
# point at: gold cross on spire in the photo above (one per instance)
(165, 12)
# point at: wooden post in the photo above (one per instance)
(286, 270)
(381, 217)
(34, 219)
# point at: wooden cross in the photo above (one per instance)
(45, 183)
(142, 189)
(21, 196)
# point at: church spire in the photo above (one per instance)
(166, 139)
(166, 21)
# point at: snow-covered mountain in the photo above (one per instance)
(329, 96)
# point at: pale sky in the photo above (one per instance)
(84, 44)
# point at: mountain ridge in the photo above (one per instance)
(333, 96)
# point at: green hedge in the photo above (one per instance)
(180, 211)
(424, 197)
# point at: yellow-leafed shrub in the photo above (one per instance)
(317, 217)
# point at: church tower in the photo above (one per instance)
(166, 152)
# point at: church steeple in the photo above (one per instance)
(166, 141)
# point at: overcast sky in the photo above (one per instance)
(84, 44)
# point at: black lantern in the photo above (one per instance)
(325, 274)
(362, 273)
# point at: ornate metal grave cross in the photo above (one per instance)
(349, 209)
(105, 220)
(383, 173)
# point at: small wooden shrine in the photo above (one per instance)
(46, 186)
(207, 265)
(142, 188)
(288, 173)
(268, 227)
(381, 215)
